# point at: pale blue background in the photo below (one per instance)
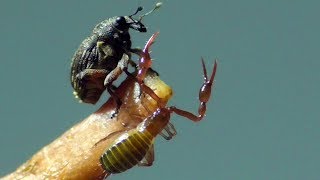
(262, 123)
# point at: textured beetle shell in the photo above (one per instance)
(116, 42)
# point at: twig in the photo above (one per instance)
(76, 153)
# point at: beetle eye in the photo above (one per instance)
(121, 22)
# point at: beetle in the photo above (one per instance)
(135, 145)
(102, 56)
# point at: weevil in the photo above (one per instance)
(101, 57)
(135, 145)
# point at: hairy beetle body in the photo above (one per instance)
(102, 56)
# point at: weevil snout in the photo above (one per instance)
(138, 26)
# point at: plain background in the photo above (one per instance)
(262, 122)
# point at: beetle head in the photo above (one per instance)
(123, 23)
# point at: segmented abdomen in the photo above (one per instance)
(127, 153)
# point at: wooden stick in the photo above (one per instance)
(75, 154)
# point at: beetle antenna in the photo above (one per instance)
(138, 9)
(157, 6)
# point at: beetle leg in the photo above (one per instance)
(133, 64)
(113, 87)
(88, 73)
(90, 79)
(204, 96)
(148, 158)
(137, 51)
(113, 75)
(116, 99)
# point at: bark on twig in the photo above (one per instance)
(76, 153)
